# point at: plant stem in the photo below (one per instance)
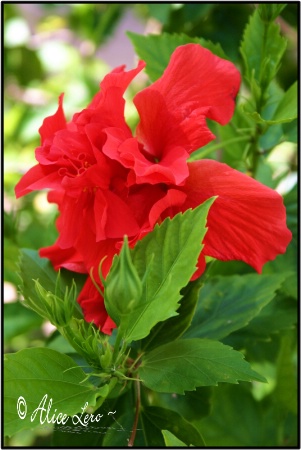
(207, 151)
(116, 347)
(138, 402)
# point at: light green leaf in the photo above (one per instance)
(156, 50)
(185, 364)
(35, 372)
(287, 109)
(262, 49)
(269, 11)
(171, 440)
(229, 303)
(165, 260)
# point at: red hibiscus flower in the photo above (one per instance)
(108, 183)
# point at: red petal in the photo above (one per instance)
(171, 169)
(196, 85)
(38, 177)
(53, 123)
(166, 206)
(68, 258)
(107, 106)
(119, 78)
(120, 219)
(93, 307)
(247, 221)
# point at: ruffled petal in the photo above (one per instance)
(166, 207)
(247, 221)
(53, 123)
(170, 169)
(195, 85)
(38, 177)
(107, 107)
(68, 258)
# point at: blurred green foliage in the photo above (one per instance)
(51, 48)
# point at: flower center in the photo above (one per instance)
(74, 166)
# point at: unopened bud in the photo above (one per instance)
(123, 287)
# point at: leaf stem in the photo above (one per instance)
(138, 403)
(199, 154)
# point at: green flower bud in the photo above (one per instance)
(106, 358)
(123, 287)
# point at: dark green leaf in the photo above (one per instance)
(287, 263)
(236, 420)
(192, 406)
(153, 419)
(175, 327)
(111, 430)
(32, 267)
(229, 303)
(278, 315)
(291, 131)
(285, 393)
(185, 364)
(19, 320)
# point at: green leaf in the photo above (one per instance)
(269, 11)
(234, 141)
(156, 50)
(236, 420)
(32, 267)
(171, 440)
(173, 328)
(228, 303)
(19, 320)
(288, 262)
(35, 372)
(112, 430)
(165, 260)
(286, 392)
(262, 49)
(287, 109)
(192, 406)
(280, 314)
(185, 364)
(291, 131)
(153, 419)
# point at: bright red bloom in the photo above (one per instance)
(108, 183)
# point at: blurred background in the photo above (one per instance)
(52, 48)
